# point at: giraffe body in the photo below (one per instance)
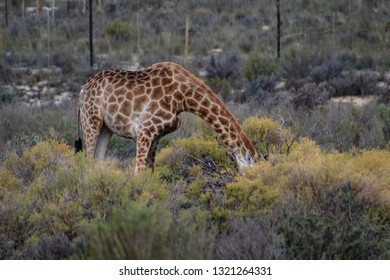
(144, 106)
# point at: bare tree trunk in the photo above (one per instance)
(334, 29)
(278, 27)
(6, 12)
(53, 4)
(138, 34)
(90, 33)
(23, 9)
(1, 40)
(38, 6)
(186, 40)
(48, 39)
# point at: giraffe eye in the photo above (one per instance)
(249, 158)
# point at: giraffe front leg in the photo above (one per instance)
(147, 142)
(168, 128)
(144, 143)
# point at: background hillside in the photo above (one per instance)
(328, 50)
(320, 113)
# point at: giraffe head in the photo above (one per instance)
(245, 158)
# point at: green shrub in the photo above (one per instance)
(6, 97)
(335, 228)
(42, 157)
(118, 30)
(144, 189)
(384, 115)
(58, 204)
(22, 126)
(187, 152)
(54, 247)
(139, 232)
(251, 238)
(48, 191)
(250, 196)
(9, 182)
(121, 148)
(6, 247)
(259, 64)
(224, 68)
(221, 87)
(14, 220)
(265, 134)
(312, 95)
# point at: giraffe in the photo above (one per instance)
(145, 105)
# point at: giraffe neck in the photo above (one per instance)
(200, 100)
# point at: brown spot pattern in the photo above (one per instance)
(151, 99)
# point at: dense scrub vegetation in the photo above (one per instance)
(307, 204)
(321, 190)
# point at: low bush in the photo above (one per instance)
(328, 216)
(330, 67)
(21, 124)
(58, 205)
(342, 127)
(251, 238)
(225, 67)
(54, 247)
(261, 90)
(118, 30)
(122, 149)
(221, 87)
(259, 64)
(251, 195)
(312, 95)
(48, 191)
(5, 73)
(5, 97)
(302, 66)
(145, 233)
(356, 83)
(6, 246)
(268, 135)
(336, 227)
(384, 115)
(182, 154)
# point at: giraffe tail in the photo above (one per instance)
(78, 144)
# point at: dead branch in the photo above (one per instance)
(282, 122)
(267, 138)
(291, 143)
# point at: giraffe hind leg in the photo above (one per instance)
(92, 126)
(152, 153)
(102, 143)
